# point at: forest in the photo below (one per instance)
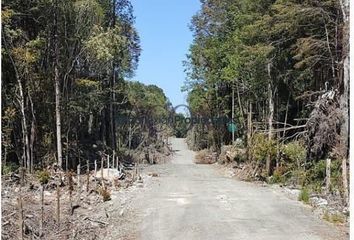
(280, 70)
(69, 106)
(65, 65)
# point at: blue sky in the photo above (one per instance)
(163, 26)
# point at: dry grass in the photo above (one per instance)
(204, 156)
(105, 193)
(336, 218)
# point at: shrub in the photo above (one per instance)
(295, 152)
(316, 175)
(105, 193)
(277, 177)
(336, 175)
(43, 176)
(9, 168)
(304, 195)
(318, 171)
(261, 147)
(204, 157)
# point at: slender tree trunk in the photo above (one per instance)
(33, 134)
(25, 148)
(67, 149)
(330, 51)
(286, 115)
(233, 112)
(57, 88)
(249, 129)
(21, 100)
(130, 135)
(103, 126)
(344, 99)
(270, 119)
(113, 82)
(241, 108)
(111, 111)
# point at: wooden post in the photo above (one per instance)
(95, 169)
(58, 205)
(71, 188)
(113, 159)
(78, 182)
(88, 175)
(78, 177)
(137, 170)
(102, 160)
(328, 175)
(20, 209)
(118, 163)
(42, 210)
(108, 166)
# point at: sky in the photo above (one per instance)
(163, 27)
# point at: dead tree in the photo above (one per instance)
(322, 126)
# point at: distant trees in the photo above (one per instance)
(147, 114)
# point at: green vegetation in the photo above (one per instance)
(304, 195)
(261, 148)
(180, 125)
(43, 176)
(277, 67)
(64, 70)
(9, 168)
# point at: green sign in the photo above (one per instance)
(231, 127)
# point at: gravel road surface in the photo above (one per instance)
(190, 201)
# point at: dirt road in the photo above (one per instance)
(189, 201)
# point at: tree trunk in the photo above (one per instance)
(130, 135)
(286, 116)
(344, 105)
(33, 134)
(270, 119)
(249, 129)
(57, 87)
(233, 113)
(113, 82)
(67, 149)
(26, 154)
(21, 101)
